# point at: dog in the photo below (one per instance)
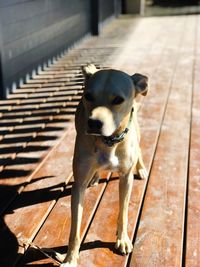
(107, 138)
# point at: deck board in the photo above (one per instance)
(36, 149)
(193, 221)
(159, 239)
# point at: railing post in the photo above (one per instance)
(118, 7)
(1, 80)
(94, 4)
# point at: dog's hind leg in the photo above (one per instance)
(124, 244)
(140, 169)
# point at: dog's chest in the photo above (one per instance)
(107, 160)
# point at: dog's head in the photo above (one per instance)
(108, 98)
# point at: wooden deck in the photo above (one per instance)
(36, 149)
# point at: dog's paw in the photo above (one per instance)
(142, 173)
(60, 257)
(67, 260)
(124, 245)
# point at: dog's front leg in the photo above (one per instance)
(78, 192)
(124, 244)
(74, 241)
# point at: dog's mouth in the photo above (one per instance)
(95, 133)
(99, 133)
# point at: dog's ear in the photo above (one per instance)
(141, 83)
(88, 71)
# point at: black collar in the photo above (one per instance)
(112, 140)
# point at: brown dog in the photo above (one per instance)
(107, 138)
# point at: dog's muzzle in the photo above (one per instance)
(95, 128)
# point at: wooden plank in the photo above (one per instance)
(193, 220)
(159, 239)
(26, 215)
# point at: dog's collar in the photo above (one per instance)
(114, 139)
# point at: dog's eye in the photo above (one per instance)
(117, 100)
(89, 97)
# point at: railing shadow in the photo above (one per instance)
(9, 245)
(28, 130)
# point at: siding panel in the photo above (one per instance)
(34, 31)
(107, 9)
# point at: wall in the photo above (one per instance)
(106, 9)
(32, 31)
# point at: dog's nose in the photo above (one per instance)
(95, 124)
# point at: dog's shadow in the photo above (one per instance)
(99, 244)
(57, 253)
